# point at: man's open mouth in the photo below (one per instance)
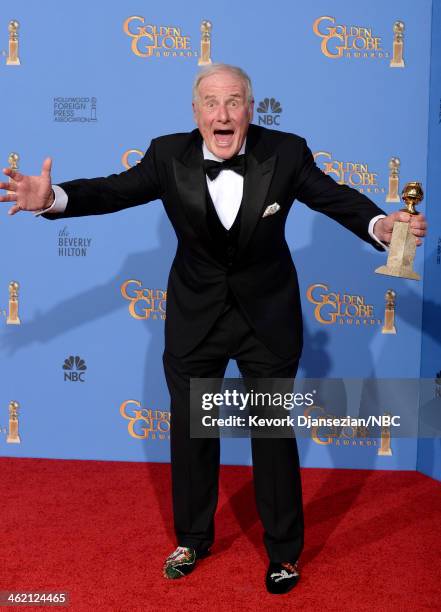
(224, 137)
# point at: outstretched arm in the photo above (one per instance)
(94, 196)
(346, 205)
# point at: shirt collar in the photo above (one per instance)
(209, 155)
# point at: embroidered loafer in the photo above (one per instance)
(181, 562)
(282, 577)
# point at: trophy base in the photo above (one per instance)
(385, 453)
(399, 273)
(15, 440)
(202, 62)
(392, 330)
(13, 321)
(13, 62)
(397, 64)
(401, 253)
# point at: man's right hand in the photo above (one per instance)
(28, 192)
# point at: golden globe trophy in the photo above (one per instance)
(389, 313)
(394, 172)
(13, 318)
(13, 159)
(12, 58)
(13, 435)
(205, 57)
(397, 60)
(403, 243)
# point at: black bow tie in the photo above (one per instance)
(213, 168)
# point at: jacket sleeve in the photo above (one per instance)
(98, 196)
(342, 203)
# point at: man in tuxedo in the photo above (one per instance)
(227, 188)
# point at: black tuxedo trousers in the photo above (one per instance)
(195, 461)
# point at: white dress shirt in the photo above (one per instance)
(225, 190)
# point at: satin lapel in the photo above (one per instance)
(192, 188)
(256, 184)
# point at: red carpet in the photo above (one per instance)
(100, 530)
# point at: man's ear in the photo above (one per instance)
(193, 105)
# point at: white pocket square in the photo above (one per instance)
(271, 209)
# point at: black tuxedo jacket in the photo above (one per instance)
(262, 276)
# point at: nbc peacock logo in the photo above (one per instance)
(269, 111)
(74, 369)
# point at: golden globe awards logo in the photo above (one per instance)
(131, 157)
(331, 308)
(144, 303)
(144, 423)
(343, 41)
(149, 40)
(355, 174)
(347, 436)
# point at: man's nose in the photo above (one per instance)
(222, 113)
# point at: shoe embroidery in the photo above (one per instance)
(181, 553)
(282, 575)
(181, 557)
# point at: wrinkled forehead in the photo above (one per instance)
(221, 84)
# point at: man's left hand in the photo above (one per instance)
(383, 227)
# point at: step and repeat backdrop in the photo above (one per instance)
(83, 301)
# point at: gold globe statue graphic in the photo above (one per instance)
(13, 26)
(13, 160)
(398, 27)
(205, 56)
